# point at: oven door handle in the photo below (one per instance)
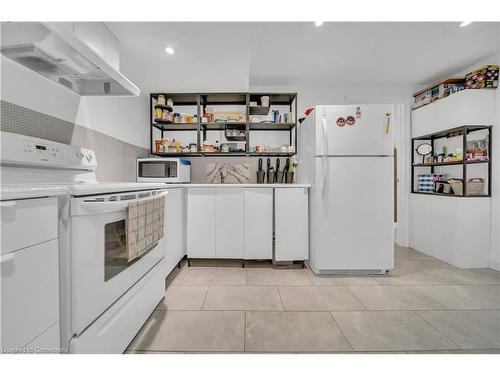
(84, 208)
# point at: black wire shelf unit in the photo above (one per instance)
(161, 128)
(461, 131)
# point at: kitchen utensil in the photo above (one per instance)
(268, 170)
(278, 174)
(285, 171)
(270, 175)
(260, 173)
(289, 177)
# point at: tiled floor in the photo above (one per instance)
(424, 305)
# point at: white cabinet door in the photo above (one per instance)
(291, 224)
(421, 223)
(201, 223)
(258, 223)
(27, 222)
(30, 293)
(229, 232)
(476, 224)
(446, 229)
(175, 227)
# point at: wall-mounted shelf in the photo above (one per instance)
(222, 154)
(444, 164)
(201, 100)
(463, 132)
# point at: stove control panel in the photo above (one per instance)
(23, 150)
(42, 150)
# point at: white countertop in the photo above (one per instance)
(254, 185)
(25, 191)
(31, 190)
(9, 192)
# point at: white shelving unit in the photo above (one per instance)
(453, 229)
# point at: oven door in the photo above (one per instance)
(100, 272)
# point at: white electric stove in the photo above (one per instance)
(104, 298)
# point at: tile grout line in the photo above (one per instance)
(435, 328)
(341, 331)
(356, 297)
(204, 298)
(281, 298)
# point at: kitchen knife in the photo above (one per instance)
(287, 166)
(277, 170)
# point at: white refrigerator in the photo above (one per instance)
(346, 153)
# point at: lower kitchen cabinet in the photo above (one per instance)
(455, 230)
(175, 227)
(29, 262)
(201, 223)
(30, 295)
(291, 207)
(238, 223)
(258, 223)
(229, 223)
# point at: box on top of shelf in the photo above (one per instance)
(484, 77)
(438, 91)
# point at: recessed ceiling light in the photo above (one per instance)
(318, 23)
(465, 23)
(170, 50)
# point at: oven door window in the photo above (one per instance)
(115, 249)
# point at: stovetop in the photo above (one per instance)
(33, 190)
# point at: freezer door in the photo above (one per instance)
(352, 223)
(370, 134)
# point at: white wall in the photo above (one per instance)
(124, 118)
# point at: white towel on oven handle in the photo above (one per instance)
(144, 224)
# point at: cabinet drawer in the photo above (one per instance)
(28, 222)
(30, 293)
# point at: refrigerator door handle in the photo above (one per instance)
(324, 181)
(325, 135)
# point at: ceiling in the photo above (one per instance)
(238, 56)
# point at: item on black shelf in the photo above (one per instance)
(477, 150)
(426, 182)
(423, 150)
(442, 187)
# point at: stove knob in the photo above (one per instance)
(88, 157)
(79, 155)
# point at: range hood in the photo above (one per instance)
(55, 51)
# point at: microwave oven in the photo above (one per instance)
(169, 170)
